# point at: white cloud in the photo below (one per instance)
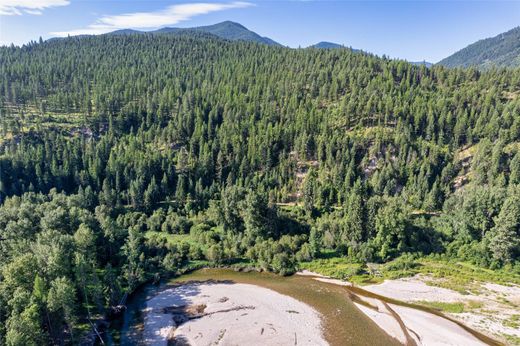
(34, 12)
(150, 20)
(19, 7)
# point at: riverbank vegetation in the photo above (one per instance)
(127, 158)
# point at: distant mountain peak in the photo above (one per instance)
(125, 32)
(229, 22)
(327, 45)
(228, 30)
(421, 63)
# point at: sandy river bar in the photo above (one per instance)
(237, 314)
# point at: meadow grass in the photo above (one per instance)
(513, 321)
(459, 276)
(455, 308)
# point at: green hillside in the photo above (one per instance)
(128, 158)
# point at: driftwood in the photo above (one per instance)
(185, 313)
(98, 328)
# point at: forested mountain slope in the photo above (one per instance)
(127, 157)
(500, 51)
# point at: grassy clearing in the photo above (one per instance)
(512, 340)
(337, 267)
(465, 277)
(176, 239)
(330, 264)
(455, 308)
(512, 322)
(459, 276)
(474, 305)
(17, 121)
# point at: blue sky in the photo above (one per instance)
(412, 30)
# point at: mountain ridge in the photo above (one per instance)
(229, 30)
(327, 45)
(422, 63)
(502, 50)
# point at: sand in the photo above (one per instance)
(383, 318)
(252, 315)
(323, 278)
(306, 272)
(334, 281)
(258, 316)
(429, 329)
(497, 303)
(415, 289)
(409, 325)
(424, 328)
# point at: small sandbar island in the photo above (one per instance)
(225, 313)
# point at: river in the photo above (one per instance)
(342, 322)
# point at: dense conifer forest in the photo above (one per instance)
(127, 158)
